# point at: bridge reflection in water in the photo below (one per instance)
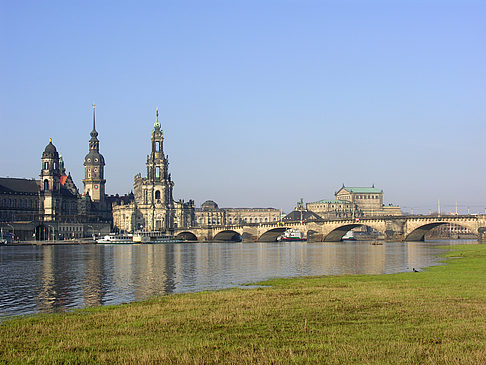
(54, 278)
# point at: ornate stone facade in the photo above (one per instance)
(354, 202)
(153, 207)
(210, 214)
(52, 208)
(94, 166)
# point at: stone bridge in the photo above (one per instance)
(401, 228)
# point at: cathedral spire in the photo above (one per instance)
(94, 106)
(93, 133)
(157, 123)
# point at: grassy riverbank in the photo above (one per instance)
(430, 317)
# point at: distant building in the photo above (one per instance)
(52, 207)
(354, 202)
(302, 216)
(153, 207)
(210, 214)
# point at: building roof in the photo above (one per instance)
(14, 185)
(209, 205)
(331, 202)
(304, 215)
(361, 190)
(50, 151)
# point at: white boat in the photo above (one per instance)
(155, 237)
(116, 238)
(349, 236)
(291, 235)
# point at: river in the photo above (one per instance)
(37, 279)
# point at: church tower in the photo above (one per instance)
(50, 182)
(94, 165)
(158, 166)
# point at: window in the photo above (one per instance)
(157, 194)
(46, 184)
(157, 146)
(46, 165)
(157, 171)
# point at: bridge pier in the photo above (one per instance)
(482, 234)
(395, 230)
(393, 236)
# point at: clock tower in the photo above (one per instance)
(94, 165)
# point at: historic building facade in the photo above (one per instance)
(354, 202)
(52, 207)
(210, 214)
(153, 207)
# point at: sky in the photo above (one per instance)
(262, 102)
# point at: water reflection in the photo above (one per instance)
(54, 278)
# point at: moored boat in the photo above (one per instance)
(155, 237)
(349, 236)
(291, 235)
(116, 238)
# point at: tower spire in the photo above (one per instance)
(157, 123)
(94, 106)
(93, 133)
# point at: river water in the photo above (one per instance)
(55, 278)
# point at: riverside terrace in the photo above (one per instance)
(396, 228)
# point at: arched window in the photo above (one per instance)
(157, 171)
(251, 220)
(46, 184)
(46, 165)
(157, 146)
(157, 194)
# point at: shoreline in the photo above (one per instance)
(433, 316)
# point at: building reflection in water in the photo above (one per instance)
(61, 277)
(46, 300)
(93, 284)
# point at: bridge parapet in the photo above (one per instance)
(394, 228)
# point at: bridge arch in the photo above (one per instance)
(227, 236)
(187, 236)
(418, 233)
(337, 233)
(272, 234)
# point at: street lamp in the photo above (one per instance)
(49, 232)
(13, 230)
(92, 232)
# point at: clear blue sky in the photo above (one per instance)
(261, 102)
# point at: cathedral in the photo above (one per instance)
(52, 208)
(153, 207)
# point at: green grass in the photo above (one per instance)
(435, 316)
